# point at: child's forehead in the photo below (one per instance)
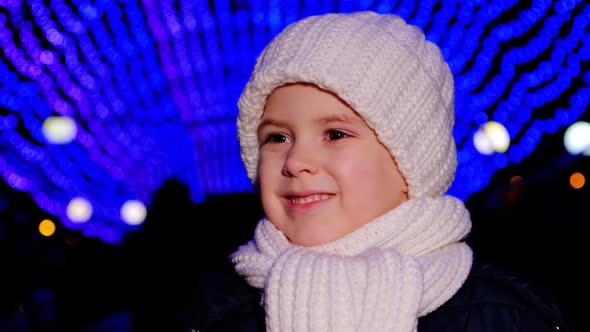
(322, 104)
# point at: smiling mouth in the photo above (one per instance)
(299, 200)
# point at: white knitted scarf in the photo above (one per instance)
(381, 277)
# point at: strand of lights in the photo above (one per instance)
(423, 14)
(57, 161)
(152, 86)
(511, 112)
(439, 24)
(166, 58)
(180, 55)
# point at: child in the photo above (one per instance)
(346, 128)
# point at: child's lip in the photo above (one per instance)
(305, 193)
(303, 201)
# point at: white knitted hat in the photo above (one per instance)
(384, 69)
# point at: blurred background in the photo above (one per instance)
(120, 169)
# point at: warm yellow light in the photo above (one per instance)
(577, 180)
(46, 227)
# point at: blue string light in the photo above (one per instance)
(152, 87)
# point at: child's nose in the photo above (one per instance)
(301, 159)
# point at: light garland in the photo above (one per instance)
(152, 89)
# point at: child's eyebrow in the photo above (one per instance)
(271, 122)
(339, 118)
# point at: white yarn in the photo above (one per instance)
(381, 277)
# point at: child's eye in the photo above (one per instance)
(335, 134)
(275, 138)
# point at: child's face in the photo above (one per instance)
(323, 173)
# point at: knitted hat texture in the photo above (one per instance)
(384, 69)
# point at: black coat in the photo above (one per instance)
(489, 301)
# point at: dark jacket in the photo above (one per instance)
(489, 301)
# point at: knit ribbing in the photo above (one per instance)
(381, 277)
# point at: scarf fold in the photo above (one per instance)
(381, 277)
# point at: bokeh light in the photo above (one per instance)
(577, 180)
(47, 227)
(79, 210)
(59, 129)
(133, 212)
(491, 137)
(577, 138)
